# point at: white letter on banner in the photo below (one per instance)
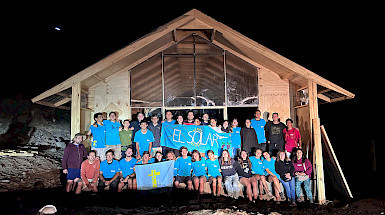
(200, 133)
(178, 136)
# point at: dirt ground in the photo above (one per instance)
(174, 202)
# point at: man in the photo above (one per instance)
(183, 169)
(112, 134)
(168, 120)
(190, 118)
(109, 172)
(90, 172)
(127, 171)
(143, 140)
(125, 137)
(98, 131)
(259, 126)
(275, 136)
(74, 153)
(155, 127)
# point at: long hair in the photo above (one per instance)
(278, 156)
(303, 157)
(223, 160)
(240, 159)
(192, 157)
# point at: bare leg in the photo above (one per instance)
(219, 185)
(196, 183)
(246, 182)
(202, 181)
(79, 187)
(189, 185)
(213, 182)
(69, 185)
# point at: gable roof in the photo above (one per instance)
(169, 34)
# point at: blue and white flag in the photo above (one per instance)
(155, 175)
(201, 138)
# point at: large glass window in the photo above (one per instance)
(242, 82)
(194, 74)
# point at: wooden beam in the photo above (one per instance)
(63, 101)
(323, 97)
(75, 109)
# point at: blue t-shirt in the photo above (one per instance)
(236, 137)
(168, 123)
(259, 127)
(144, 140)
(112, 132)
(271, 166)
(257, 166)
(99, 136)
(183, 166)
(199, 168)
(127, 167)
(213, 168)
(109, 170)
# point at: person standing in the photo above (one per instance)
(235, 137)
(292, 137)
(249, 140)
(90, 172)
(155, 127)
(275, 135)
(143, 140)
(98, 131)
(113, 127)
(125, 137)
(74, 154)
(168, 120)
(205, 119)
(259, 126)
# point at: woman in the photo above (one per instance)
(272, 176)
(235, 137)
(213, 125)
(158, 157)
(259, 175)
(302, 172)
(230, 175)
(225, 126)
(214, 173)
(292, 137)
(179, 120)
(198, 171)
(244, 172)
(284, 167)
(248, 137)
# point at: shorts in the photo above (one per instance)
(199, 177)
(212, 177)
(73, 173)
(182, 179)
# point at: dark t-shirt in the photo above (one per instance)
(275, 132)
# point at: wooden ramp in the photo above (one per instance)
(333, 167)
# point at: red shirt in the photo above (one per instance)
(292, 137)
(90, 171)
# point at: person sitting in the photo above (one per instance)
(302, 172)
(259, 175)
(214, 173)
(183, 169)
(244, 172)
(90, 172)
(284, 167)
(109, 172)
(229, 174)
(127, 165)
(158, 157)
(272, 176)
(198, 171)
(146, 159)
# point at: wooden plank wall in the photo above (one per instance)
(273, 95)
(112, 96)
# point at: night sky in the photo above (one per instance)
(339, 42)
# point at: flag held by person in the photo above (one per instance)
(155, 175)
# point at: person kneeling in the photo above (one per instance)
(109, 172)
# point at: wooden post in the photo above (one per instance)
(75, 109)
(316, 130)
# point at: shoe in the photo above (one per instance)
(282, 196)
(311, 200)
(299, 200)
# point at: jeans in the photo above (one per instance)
(307, 188)
(231, 184)
(290, 187)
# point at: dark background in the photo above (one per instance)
(342, 43)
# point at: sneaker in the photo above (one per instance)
(299, 200)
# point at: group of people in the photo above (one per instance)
(264, 152)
